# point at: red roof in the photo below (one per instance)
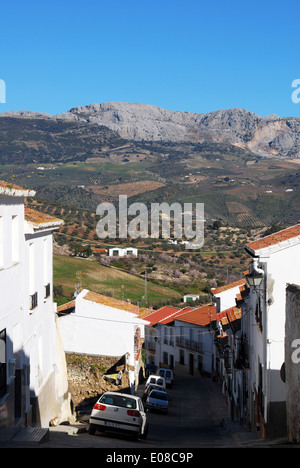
(232, 314)
(199, 316)
(161, 314)
(66, 307)
(276, 238)
(225, 287)
(172, 317)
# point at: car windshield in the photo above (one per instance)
(158, 395)
(168, 374)
(118, 400)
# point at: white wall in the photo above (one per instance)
(123, 252)
(100, 330)
(226, 299)
(31, 335)
(267, 347)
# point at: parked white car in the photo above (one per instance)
(119, 412)
(156, 380)
(167, 374)
(157, 400)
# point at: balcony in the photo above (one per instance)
(150, 346)
(189, 344)
(242, 359)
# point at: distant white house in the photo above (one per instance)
(103, 326)
(33, 381)
(119, 252)
(190, 297)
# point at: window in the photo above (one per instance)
(47, 290)
(2, 363)
(33, 301)
(15, 239)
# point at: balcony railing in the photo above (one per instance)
(189, 344)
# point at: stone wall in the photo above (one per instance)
(292, 362)
(85, 377)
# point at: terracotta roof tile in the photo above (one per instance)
(276, 238)
(172, 316)
(231, 314)
(66, 307)
(244, 291)
(226, 287)
(40, 220)
(199, 316)
(7, 188)
(111, 302)
(161, 314)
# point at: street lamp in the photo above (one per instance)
(255, 277)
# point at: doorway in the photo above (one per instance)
(191, 364)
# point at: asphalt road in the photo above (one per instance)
(195, 420)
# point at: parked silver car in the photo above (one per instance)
(157, 400)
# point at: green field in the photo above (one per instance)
(105, 280)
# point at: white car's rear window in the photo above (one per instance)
(117, 400)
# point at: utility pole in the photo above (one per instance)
(145, 293)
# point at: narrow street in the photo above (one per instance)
(195, 420)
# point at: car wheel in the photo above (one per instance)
(92, 429)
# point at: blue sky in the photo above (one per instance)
(189, 55)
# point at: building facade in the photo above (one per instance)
(103, 326)
(32, 391)
(275, 265)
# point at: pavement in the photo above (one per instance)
(48, 437)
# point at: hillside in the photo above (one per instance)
(264, 136)
(109, 281)
(243, 167)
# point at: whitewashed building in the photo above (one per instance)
(225, 295)
(195, 340)
(181, 336)
(122, 252)
(103, 326)
(33, 384)
(275, 264)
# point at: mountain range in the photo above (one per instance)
(270, 136)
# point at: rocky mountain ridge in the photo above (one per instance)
(269, 136)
